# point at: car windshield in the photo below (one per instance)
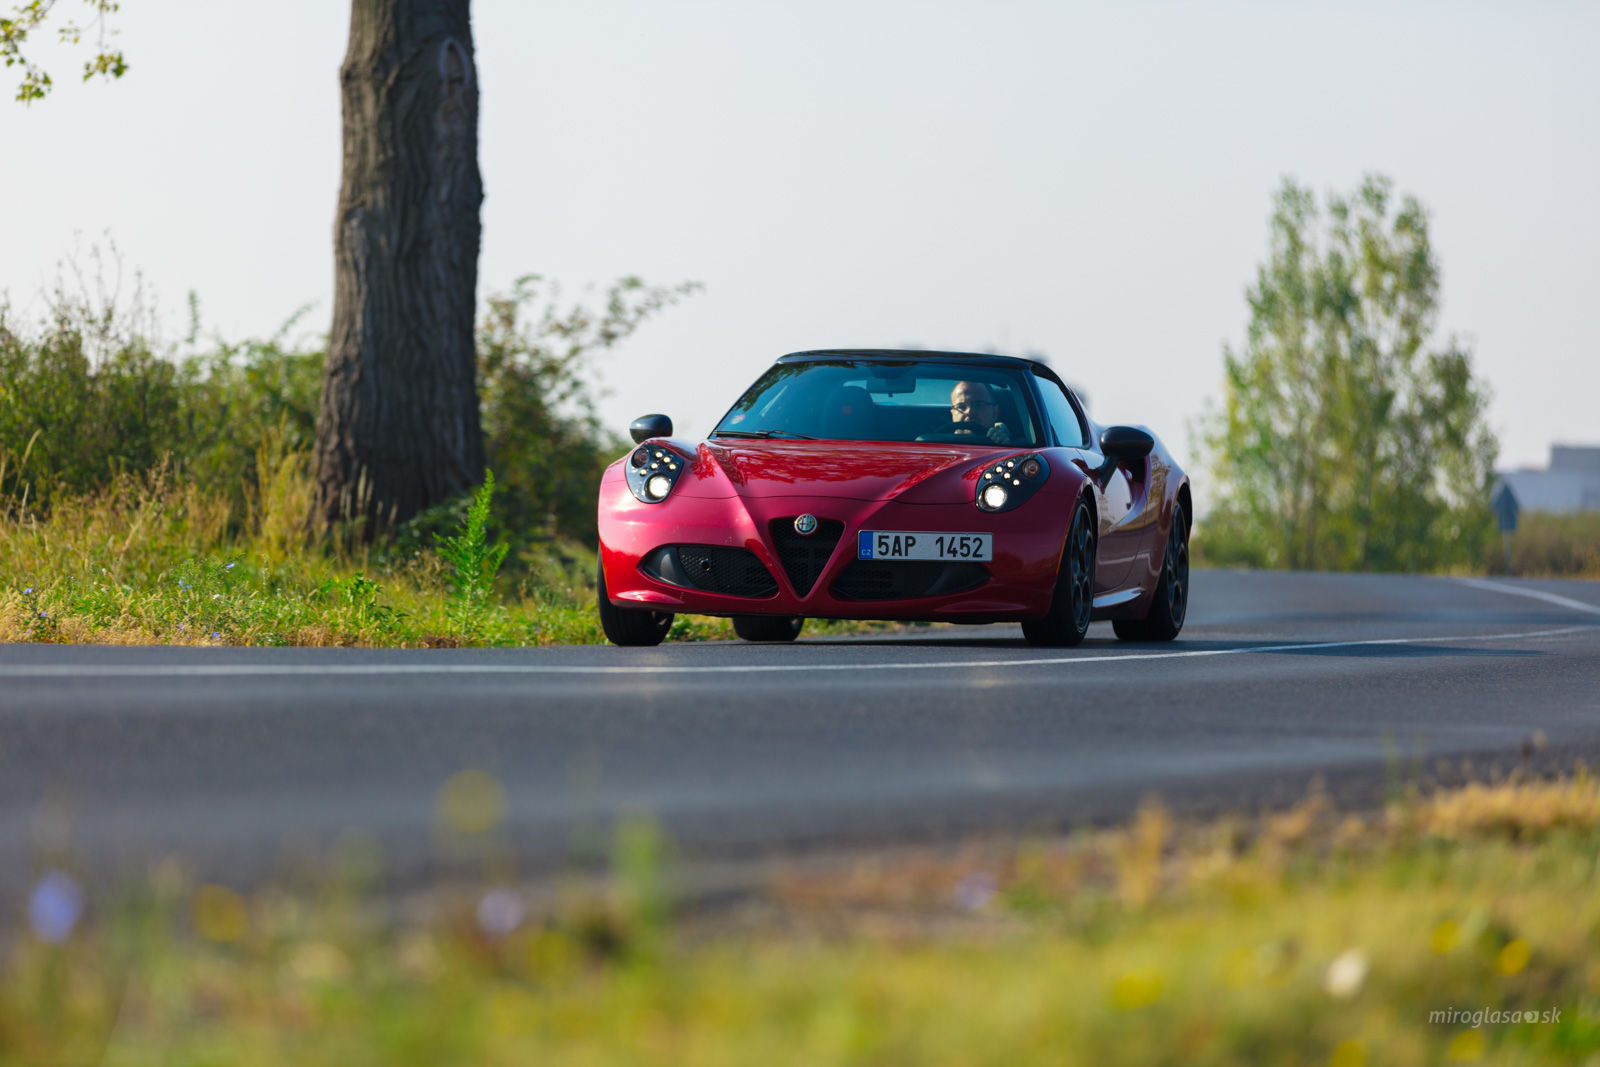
(880, 400)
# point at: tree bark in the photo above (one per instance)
(398, 430)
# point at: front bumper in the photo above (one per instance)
(1019, 584)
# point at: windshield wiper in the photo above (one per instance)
(788, 435)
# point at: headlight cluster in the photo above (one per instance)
(653, 470)
(1010, 482)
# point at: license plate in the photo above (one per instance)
(911, 544)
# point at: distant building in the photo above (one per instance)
(1571, 482)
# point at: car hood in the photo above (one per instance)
(854, 470)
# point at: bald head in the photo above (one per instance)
(972, 402)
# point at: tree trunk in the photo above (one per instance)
(398, 427)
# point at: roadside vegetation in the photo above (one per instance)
(155, 491)
(1552, 546)
(1457, 926)
(1544, 545)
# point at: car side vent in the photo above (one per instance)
(870, 580)
(713, 568)
(804, 558)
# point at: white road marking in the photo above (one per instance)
(1536, 594)
(347, 670)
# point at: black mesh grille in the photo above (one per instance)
(868, 580)
(713, 568)
(804, 557)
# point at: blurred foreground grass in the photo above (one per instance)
(1309, 936)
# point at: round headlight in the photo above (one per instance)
(1030, 469)
(640, 457)
(657, 487)
(994, 496)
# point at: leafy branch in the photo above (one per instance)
(27, 17)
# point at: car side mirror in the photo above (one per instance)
(647, 426)
(1126, 443)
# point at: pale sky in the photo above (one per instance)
(1089, 181)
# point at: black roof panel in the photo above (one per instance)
(982, 358)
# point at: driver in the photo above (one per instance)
(973, 411)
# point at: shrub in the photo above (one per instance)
(1555, 546)
(93, 394)
(540, 428)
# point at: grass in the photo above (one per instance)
(150, 559)
(1307, 936)
(1545, 545)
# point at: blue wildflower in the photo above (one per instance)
(28, 591)
(54, 907)
(229, 567)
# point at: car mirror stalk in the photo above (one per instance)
(1123, 444)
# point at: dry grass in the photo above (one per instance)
(1554, 546)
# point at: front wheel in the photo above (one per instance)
(768, 627)
(1068, 619)
(639, 627)
(1170, 604)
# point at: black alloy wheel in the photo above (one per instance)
(1073, 603)
(1170, 604)
(637, 627)
(768, 627)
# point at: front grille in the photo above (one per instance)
(803, 558)
(712, 568)
(869, 580)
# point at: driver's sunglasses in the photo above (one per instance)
(966, 409)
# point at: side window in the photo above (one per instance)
(1063, 416)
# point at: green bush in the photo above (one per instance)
(70, 422)
(91, 394)
(540, 428)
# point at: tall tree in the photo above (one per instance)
(398, 427)
(1348, 439)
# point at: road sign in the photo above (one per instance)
(1504, 504)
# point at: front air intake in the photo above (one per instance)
(804, 557)
(713, 568)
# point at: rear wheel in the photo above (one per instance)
(768, 627)
(629, 626)
(1170, 604)
(1073, 602)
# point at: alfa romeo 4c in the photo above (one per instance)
(897, 485)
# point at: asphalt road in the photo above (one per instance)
(250, 762)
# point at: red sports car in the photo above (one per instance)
(897, 485)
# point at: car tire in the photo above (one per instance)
(1072, 605)
(636, 627)
(768, 627)
(1170, 605)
